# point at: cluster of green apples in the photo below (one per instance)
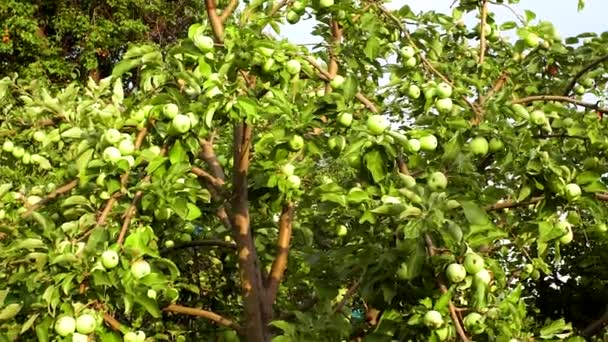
(78, 328)
(273, 60)
(298, 7)
(20, 153)
(439, 93)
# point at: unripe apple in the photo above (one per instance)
(410, 62)
(294, 181)
(112, 136)
(65, 325)
(26, 159)
(126, 147)
(337, 143)
(433, 319)
(337, 82)
(298, 6)
(39, 136)
(169, 244)
(444, 106)
(326, 3)
(345, 119)
(538, 117)
(18, 152)
(140, 336)
(151, 294)
(567, 238)
(407, 52)
(472, 323)
(181, 123)
(85, 324)
(292, 17)
(479, 146)
(109, 259)
(483, 276)
(204, 43)
(8, 146)
(140, 269)
(288, 169)
(77, 337)
(496, 145)
(111, 154)
(341, 230)
(296, 143)
(293, 67)
(130, 337)
(573, 191)
(456, 273)
(532, 40)
(413, 91)
(414, 145)
(444, 90)
(170, 110)
(377, 124)
(528, 269)
(579, 90)
(428, 143)
(437, 181)
(473, 263)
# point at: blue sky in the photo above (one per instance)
(562, 13)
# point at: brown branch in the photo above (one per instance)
(111, 322)
(513, 204)
(64, 189)
(212, 316)
(216, 22)
(208, 155)
(227, 12)
(482, 37)
(214, 181)
(129, 214)
(559, 98)
(280, 262)
(336, 38)
(351, 292)
(498, 84)
(455, 318)
(278, 6)
(402, 166)
(326, 76)
(586, 69)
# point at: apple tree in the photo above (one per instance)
(410, 178)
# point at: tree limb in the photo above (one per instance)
(64, 189)
(457, 324)
(227, 12)
(559, 98)
(280, 262)
(482, 34)
(349, 293)
(586, 69)
(336, 38)
(212, 316)
(533, 200)
(112, 322)
(216, 22)
(199, 243)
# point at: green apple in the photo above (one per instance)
(293, 67)
(345, 119)
(294, 181)
(111, 154)
(170, 110)
(473, 263)
(341, 230)
(496, 145)
(18, 152)
(573, 191)
(377, 124)
(532, 40)
(39, 136)
(472, 323)
(337, 82)
(487, 29)
(444, 90)
(292, 17)
(538, 117)
(528, 269)
(77, 337)
(567, 238)
(483, 276)
(169, 243)
(413, 91)
(410, 62)
(586, 82)
(181, 123)
(414, 145)
(579, 90)
(444, 106)
(204, 43)
(140, 269)
(407, 52)
(109, 259)
(2, 214)
(26, 159)
(288, 169)
(85, 324)
(337, 143)
(442, 333)
(428, 143)
(433, 319)
(65, 325)
(296, 143)
(326, 3)
(437, 181)
(140, 336)
(112, 136)
(8, 146)
(456, 273)
(151, 294)
(479, 146)
(130, 337)
(602, 227)
(126, 147)
(298, 6)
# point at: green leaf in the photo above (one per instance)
(178, 153)
(375, 163)
(474, 214)
(10, 311)
(149, 305)
(193, 212)
(29, 323)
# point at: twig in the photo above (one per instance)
(216, 22)
(199, 243)
(112, 322)
(431, 252)
(561, 99)
(280, 261)
(586, 69)
(513, 204)
(228, 10)
(549, 136)
(212, 316)
(64, 189)
(278, 6)
(214, 181)
(482, 37)
(496, 87)
(336, 38)
(209, 156)
(129, 214)
(351, 292)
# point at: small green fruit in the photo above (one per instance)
(579, 90)
(444, 106)
(496, 145)
(345, 119)
(479, 146)
(39, 136)
(473, 263)
(377, 124)
(410, 62)
(293, 67)
(573, 191)
(326, 3)
(437, 181)
(414, 145)
(18, 152)
(407, 52)
(109, 259)
(8, 146)
(456, 273)
(292, 17)
(77, 337)
(140, 269)
(294, 181)
(111, 154)
(532, 40)
(181, 123)
(337, 82)
(170, 110)
(65, 325)
(472, 323)
(413, 91)
(483, 276)
(288, 169)
(126, 147)
(130, 337)
(428, 143)
(296, 143)
(298, 7)
(341, 230)
(433, 319)
(444, 90)
(85, 324)
(538, 117)
(204, 43)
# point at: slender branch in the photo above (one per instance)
(351, 292)
(496, 87)
(278, 6)
(559, 98)
(200, 243)
(566, 136)
(209, 156)
(455, 318)
(402, 166)
(129, 214)
(585, 70)
(227, 12)
(212, 316)
(112, 322)
(216, 22)
(280, 262)
(513, 204)
(214, 181)
(64, 189)
(482, 30)
(336, 38)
